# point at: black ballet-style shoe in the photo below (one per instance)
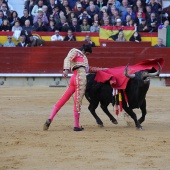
(47, 124)
(78, 129)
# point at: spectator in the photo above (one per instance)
(104, 17)
(91, 10)
(57, 36)
(41, 16)
(135, 37)
(55, 14)
(106, 22)
(26, 5)
(17, 30)
(141, 11)
(70, 17)
(111, 5)
(14, 17)
(153, 23)
(137, 6)
(1, 2)
(78, 11)
(128, 21)
(132, 24)
(63, 25)
(16, 26)
(74, 26)
(6, 12)
(95, 27)
(160, 43)
(100, 14)
(101, 3)
(121, 36)
(143, 26)
(51, 27)
(116, 3)
(39, 26)
(85, 4)
(68, 11)
(31, 5)
(9, 42)
(51, 18)
(85, 26)
(138, 20)
(34, 11)
(5, 25)
(114, 15)
(26, 17)
(1, 17)
(86, 16)
(64, 5)
(128, 12)
(95, 18)
(34, 42)
(70, 36)
(154, 6)
(72, 3)
(165, 25)
(45, 11)
(22, 43)
(119, 23)
(123, 7)
(89, 41)
(148, 12)
(27, 27)
(52, 5)
(9, 6)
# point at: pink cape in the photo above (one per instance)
(116, 75)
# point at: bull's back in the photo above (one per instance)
(98, 91)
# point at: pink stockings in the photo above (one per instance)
(77, 86)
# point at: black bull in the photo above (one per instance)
(136, 90)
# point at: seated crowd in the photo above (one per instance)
(81, 16)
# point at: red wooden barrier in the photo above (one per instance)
(71, 44)
(109, 43)
(50, 59)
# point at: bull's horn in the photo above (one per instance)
(126, 73)
(157, 72)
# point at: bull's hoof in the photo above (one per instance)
(114, 122)
(101, 125)
(139, 128)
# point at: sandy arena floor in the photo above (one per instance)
(25, 146)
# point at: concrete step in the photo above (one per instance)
(18, 5)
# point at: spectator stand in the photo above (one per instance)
(148, 37)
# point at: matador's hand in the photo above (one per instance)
(65, 73)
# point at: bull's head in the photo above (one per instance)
(145, 74)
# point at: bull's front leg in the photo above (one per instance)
(132, 114)
(143, 110)
(92, 107)
(105, 109)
